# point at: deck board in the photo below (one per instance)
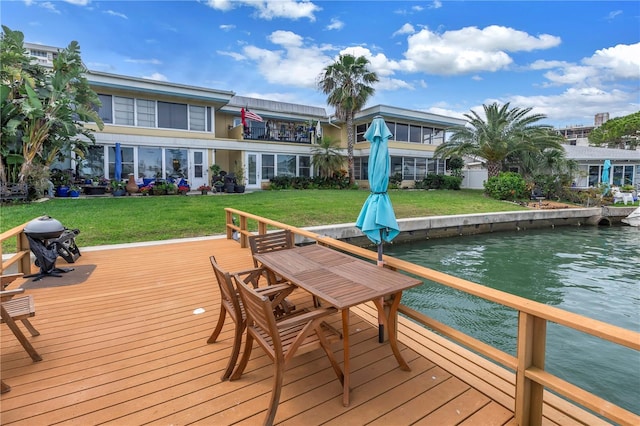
(126, 348)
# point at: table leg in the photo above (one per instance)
(346, 369)
(391, 322)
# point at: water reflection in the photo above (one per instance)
(591, 271)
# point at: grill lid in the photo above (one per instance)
(44, 227)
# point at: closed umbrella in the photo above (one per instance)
(377, 219)
(606, 168)
(117, 172)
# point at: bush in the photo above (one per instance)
(434, 181)
(506, 186)
(338, 181)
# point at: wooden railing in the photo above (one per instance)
(21, 256)
(528, 365)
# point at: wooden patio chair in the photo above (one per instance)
(274, 241)
(19, 308)
(231, 303)
(284, 339)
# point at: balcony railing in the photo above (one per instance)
(297, 135)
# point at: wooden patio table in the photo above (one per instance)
(343, 281)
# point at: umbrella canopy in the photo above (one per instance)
(117, 172)
(606, 168)
(377, 219)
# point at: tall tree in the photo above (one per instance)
(48, 109)
(503, 135)
(347, 82)
(619, 132)
(327, 158)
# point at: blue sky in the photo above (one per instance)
(568, 60)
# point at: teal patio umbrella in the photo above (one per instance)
(377, 219)
(606, 168)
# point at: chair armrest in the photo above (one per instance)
(7, 279)
(8, 294)
(306, 317)
(274, 289)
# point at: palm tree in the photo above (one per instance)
(347, 82)
(504, 135)
(327, 158)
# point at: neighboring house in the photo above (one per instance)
(579, 135)
(625, 165)
(169, 130)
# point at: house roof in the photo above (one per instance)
(275, 109)
(600, 154)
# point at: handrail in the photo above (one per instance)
(22, 255)
(531, 376)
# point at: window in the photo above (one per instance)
(197, 120)
(427, 135)
(146, 113)
(127, 161)
(402, 132)
(176, 163)
(286, 165)
(93, 164)
(361, 168)
(361, 129)
(415, 133)
(594, 176)
(172, 115)
(209, 119)
(123, 108)
(105, 111)
(268, 166)
(438, 137)
(150, 162)
(304, 166)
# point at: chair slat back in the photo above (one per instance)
(227, 291)
(260, 317)
(274, 241)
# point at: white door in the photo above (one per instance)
(199, 169)
(253, 171)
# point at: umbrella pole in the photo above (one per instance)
(380, 319)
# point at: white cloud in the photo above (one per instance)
(437, 4)
(234, 55)
(156, 76)
(227, 28)
(117, 14)
(49, 6)
(613, 14)
(335, 24)
(621, 61)
(78, 2)
(469, 49)
(144, 61)
(405, 29)
(271, 9)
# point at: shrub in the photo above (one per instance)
(506, 186)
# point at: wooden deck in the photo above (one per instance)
(126, 348)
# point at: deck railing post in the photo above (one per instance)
(532, 332)
(244, 238)
(229, 216)
(23, 245)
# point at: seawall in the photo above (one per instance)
(470, 224)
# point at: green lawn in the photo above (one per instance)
(113, 220)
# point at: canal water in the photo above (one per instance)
(591, 271)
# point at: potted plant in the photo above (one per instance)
(172, 188)
(204, 189)
(74, 191)
(240, 179)
(117, 188)
(218, 185)
(183, 189)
